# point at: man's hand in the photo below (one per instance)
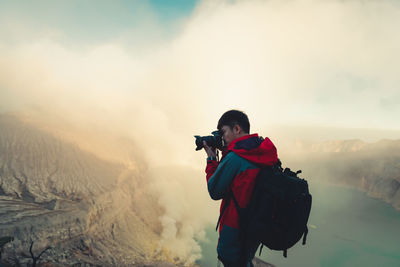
(210, 152)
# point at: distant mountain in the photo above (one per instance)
(337, 146)
(371, 167)
(90, 210)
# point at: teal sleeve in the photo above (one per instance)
(223, 176)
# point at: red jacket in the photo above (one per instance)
(237, 171)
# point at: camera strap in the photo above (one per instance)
(226, 204)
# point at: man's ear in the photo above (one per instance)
(237, 129)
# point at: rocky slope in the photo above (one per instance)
(87, 209)
(371, 167)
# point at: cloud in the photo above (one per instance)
(183, 195)
(329, 63)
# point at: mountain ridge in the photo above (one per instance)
(85, 207)
(371, 167)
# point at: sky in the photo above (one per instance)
(161, 71)
(167, 70)
(317, 63)
(91, 22)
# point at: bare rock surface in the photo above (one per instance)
(260, 263)
(370, 167)
(90, 211)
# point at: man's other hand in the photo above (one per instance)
(210, 151)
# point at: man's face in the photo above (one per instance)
(227, 134)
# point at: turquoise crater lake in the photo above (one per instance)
(347, 228)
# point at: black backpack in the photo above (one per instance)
(278, 211)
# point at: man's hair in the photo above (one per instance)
(233, 117)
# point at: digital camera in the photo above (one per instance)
(214, 141)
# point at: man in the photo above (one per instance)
(242, 157)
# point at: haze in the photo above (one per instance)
(160, 72)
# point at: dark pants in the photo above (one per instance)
(235, 264)
(248, 258)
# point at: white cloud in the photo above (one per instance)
(332, 63)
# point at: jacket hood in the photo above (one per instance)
(255, 149)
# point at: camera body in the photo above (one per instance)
(214, 141)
